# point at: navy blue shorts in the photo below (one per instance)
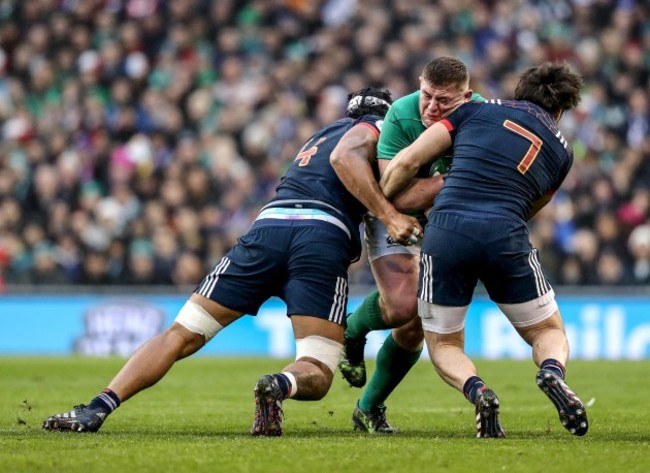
(458, 251)
(304, 263)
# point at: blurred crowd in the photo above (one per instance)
(141, 137)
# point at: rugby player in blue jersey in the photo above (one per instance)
(509, 157)
(298, 249)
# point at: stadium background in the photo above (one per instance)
(140, 138)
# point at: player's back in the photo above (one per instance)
(507, 154)
(312, 181)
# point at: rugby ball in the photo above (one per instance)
(440, 166)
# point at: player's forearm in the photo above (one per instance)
(419, 195)
(358, 178)
(362, 185)
(396, 177)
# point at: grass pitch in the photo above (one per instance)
(199, 416)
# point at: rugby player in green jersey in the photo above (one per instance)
(444, 86)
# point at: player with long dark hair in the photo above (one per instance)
(509, 157)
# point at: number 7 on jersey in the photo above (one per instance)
(534, 149)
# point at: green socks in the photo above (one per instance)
(366, 318)
(393, 362)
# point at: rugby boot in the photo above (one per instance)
(373, 421)
(487, 415)
(352, 364)
(268, 407)
(573, 415)
(80, 419)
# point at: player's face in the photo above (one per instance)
(437, 102)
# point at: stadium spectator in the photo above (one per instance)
(80, 81)
(639, 245)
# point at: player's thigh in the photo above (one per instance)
(396, 276)
(223, 315)
(250, 273)
(530, 331)
(378, 243)
(318, 341)
(514, 279)
(511, 271)
(448, 262)
(395, 270)
(307, 325)
(314, 286)
(317, 274)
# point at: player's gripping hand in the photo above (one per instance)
(404, 229)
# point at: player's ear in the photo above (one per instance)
(468, 94)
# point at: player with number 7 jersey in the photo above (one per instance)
(509, 157)
(505, 176)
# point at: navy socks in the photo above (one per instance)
(284, 383)
(553, 365)
(107, 400)
(472, 387)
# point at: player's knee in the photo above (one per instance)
(181, 341)
(531, 332)
(197, 320)
(410, 335)
(322, 387)
(323, 351)
(399, 310)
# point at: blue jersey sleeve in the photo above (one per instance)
(374, 122)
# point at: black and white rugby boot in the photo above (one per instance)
(570, 408)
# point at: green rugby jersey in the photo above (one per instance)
(401, 127)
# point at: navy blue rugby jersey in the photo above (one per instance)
(312, 182)
(507, 154)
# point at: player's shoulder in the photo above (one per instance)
(346, 123)
(405, 108)
(464, 113)
(469, 107)
(375, 121)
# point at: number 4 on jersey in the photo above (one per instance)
(305, 154)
